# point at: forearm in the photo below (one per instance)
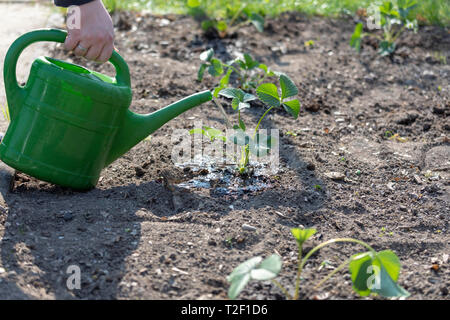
(68, 3)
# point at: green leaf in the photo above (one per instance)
(201, 72)
(197, 130)
(391, 263)
(386, 48)
(217, 91)
(241, 124)
(208, 24)
(238, 285)
(360, 262)
(288, 87)
(268, 93)
(261, 144)
(249, 62)
(214, 133)
(222, 26)
(244, 268)
(207, 55)
(193, 3)
(301, 235)
(355, 41)
(216, 67)
(258, 21)
(232, 93)
(376, 273)
(268, 269)
(292, 107)
(253, 269)
(226, 78)
(248, 97)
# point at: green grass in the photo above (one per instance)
(433, 11)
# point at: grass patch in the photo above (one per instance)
(435, 12)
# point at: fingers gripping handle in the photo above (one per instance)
(14, 92)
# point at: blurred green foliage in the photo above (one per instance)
(430, 11)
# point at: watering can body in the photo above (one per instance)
(68, 122)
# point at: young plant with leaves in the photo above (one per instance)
(393, 18)
(256, 143)
(234, 18)
(250, 73)
(371, 272)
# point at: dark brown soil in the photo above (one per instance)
(140, 235)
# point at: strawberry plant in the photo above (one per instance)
(255, 143)
(234, 18)
(393, 18)
(371, 272)
(250, 73)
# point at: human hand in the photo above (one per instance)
(94, 37)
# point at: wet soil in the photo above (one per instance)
(367, 158)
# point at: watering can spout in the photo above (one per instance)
(137, 127)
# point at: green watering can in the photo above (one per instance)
(68, 122)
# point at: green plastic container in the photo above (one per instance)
(68, 122)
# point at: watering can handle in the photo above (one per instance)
(15, 92)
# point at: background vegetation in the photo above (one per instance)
(435, 12)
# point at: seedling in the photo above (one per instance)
(250, 73)
(393, 19)
(309, 43)
(257, 143)
(235, 18)
(371, 272)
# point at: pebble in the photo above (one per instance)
(429, 75)
(68, 215)
(310, 166)
(335, 175)
(248, 227)
(2, 270)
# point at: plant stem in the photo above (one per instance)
(286, 293)
(238, 13)
(233, 68)
(332, 273)
(299, 272)
(260, 120)
(219, 105)
(394, 38)
(323, 244)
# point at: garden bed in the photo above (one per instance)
(381, 123)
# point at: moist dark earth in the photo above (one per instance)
(155, 230)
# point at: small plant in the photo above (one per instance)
(250, 73)
(257, 143)
(371, 272)
(393, 19)
(235, 17)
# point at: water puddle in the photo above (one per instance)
(223, 180)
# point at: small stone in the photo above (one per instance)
(417, 179)
(311, 166)
(68, 215)
(139, 171)
(248, 227)
(429, 75)
(335, 175)
(2, 270)
(407, 119)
